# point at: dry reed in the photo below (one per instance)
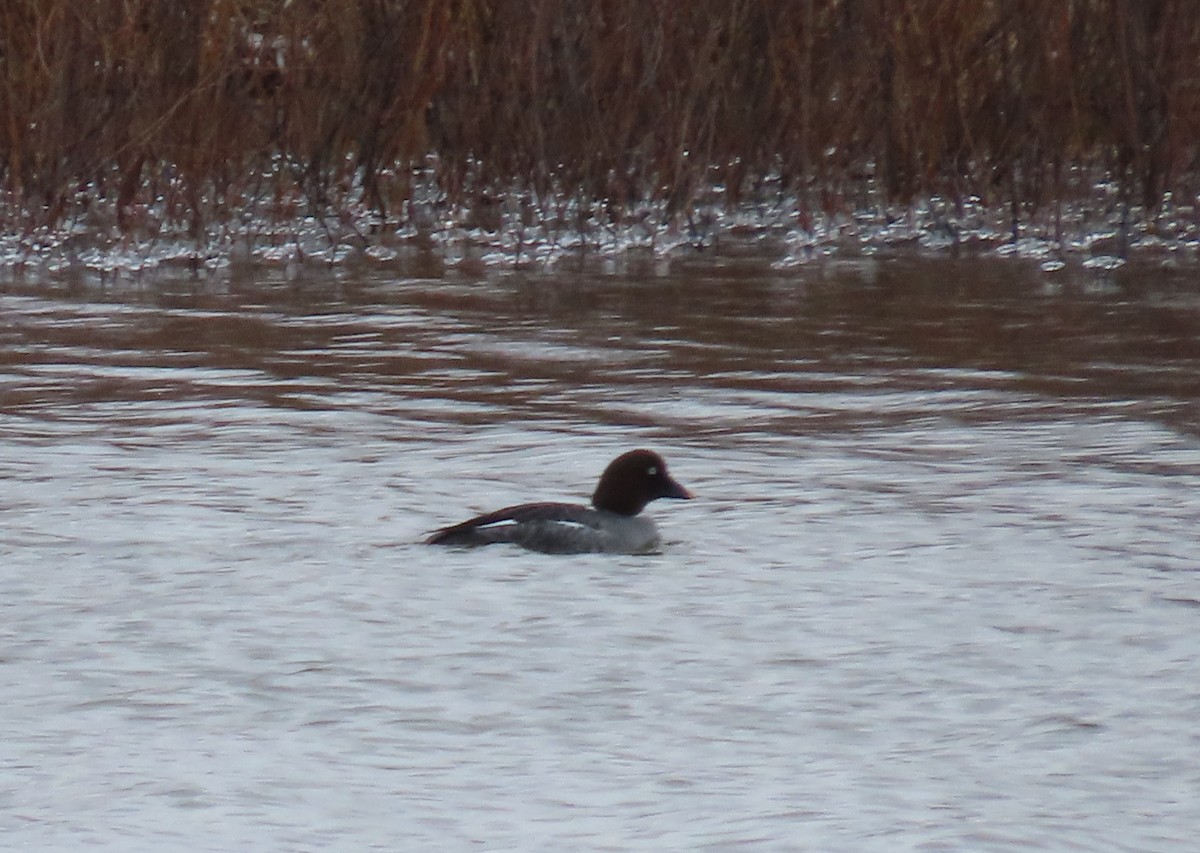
(195, 105)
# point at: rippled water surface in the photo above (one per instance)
(938, 589)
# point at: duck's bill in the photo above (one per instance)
(674, 490)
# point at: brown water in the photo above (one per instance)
(939, 589)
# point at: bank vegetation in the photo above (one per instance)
(177, 114)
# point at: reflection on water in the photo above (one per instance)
(939, 589)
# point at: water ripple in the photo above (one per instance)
(938, 589)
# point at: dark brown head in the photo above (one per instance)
(634, 479)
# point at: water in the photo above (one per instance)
(938, 591)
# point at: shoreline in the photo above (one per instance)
(507, 232)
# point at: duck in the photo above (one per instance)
(613, 524)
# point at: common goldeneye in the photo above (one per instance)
(629, 482)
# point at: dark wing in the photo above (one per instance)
(538, 526)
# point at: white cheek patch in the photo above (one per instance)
(652, 471)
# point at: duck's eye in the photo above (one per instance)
(652, 471)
